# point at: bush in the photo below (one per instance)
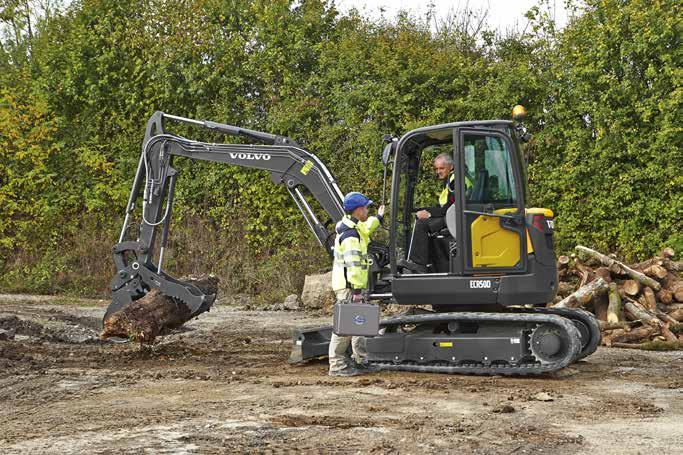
(604, 96)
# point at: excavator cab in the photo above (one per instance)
(489, 232)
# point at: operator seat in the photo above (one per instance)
(443, 244)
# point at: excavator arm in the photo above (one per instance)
(139, 268)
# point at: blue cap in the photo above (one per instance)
(354, 200)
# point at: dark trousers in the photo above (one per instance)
(419, 252)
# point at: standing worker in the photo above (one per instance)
(350, 277)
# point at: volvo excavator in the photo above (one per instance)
(482, 299)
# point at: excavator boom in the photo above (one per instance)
(139, 269)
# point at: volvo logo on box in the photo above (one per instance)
(359, 319)
(480, 284)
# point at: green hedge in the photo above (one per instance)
(604, 97)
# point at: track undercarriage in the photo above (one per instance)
(521, 341)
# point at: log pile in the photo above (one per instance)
(638, 305)
(154, 314)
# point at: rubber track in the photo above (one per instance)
(585, 317)
(570, 330)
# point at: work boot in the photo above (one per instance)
(365, 367)
(412, 266)
(346, 372)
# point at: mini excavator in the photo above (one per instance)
(493, 267)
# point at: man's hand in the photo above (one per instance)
(380, 210)
(357, 298)
(423, 215)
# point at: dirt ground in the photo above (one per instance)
(223, 385)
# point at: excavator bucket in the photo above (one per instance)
(133, 280)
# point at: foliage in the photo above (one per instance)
(77, 85)
(610, 150)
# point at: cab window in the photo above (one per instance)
(488, 170)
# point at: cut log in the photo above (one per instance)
(622, 294)
(677, 315)
(668, 334)
(608, 261)
(674, 307)
(614, 307)
(637, 312)
(671, 281)
(650, 299)
(667, 253)
(633, 335)
(665, 296)
(631, 287)
(651, 345)
(608, 334)
(564, 288)
(586, 273)
(600, 306)
(562, 267)
(656, 271)
(665, 317)
(650, 262)
(583, 295)
(604, 273)
(678, 293)
(154, 314)
(616, 270)
(624, 325)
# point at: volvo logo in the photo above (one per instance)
(250, 156)
(480, 284)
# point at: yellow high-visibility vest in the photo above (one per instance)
(443, 197)
(350, 267)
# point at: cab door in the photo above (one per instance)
(490, 216)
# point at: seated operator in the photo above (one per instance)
(433, 219)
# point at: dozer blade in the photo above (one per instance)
(310, 344)
(136, 280)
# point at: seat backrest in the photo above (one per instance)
(450, 219)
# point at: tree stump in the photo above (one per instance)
(154, 314)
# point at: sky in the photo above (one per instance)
(502, 14)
